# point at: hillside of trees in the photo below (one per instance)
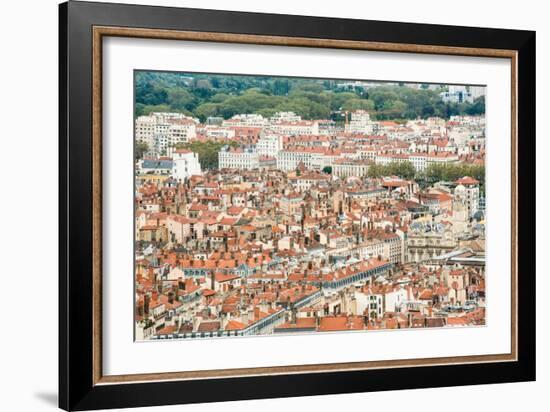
(201, 95)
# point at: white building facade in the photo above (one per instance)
(160, 131)
(360, 122)
(185, 163)
(231, 158)
(350, 167)
(270, 145)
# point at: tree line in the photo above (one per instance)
(448, 172)
(204, 96)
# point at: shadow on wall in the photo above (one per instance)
(49, 398)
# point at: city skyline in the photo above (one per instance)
(272, 205)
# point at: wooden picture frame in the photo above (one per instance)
(82, 385)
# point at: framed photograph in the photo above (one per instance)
(256, 206)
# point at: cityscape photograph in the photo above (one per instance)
(269, 205)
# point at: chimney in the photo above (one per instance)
(256, 313)
(146, 301)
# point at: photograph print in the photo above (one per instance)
(269, 205)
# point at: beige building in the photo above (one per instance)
(428, 245)
(350, 167)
